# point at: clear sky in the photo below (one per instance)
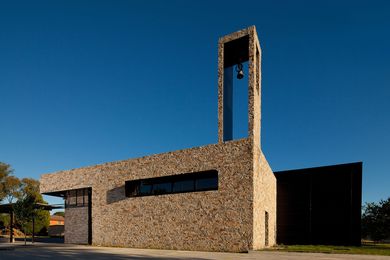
(87, 82)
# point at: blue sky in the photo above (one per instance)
(87, 82)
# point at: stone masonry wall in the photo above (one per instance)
(211, 221)
(264, 183)
(76, 225)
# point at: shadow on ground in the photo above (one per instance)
(50, 240)
(35, 253)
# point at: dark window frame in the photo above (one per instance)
(76, 198)
(133, 187)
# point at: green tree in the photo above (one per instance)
(24, 211)
(41, 222)
(60, 213)
(11, 188)
(5, 170)
(30, 187)
(376, 220)
(4, 220)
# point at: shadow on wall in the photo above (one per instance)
(116, 194)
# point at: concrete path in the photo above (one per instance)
(61, 251)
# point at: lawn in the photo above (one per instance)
(366, 249)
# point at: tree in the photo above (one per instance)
(5, 170)
(11, 188)
(30, 188)
(4, 220)
(24, 210)
(60, 213)
(376, 220)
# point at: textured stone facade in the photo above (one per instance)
(76, 225)
(228, 219)
(212, 220)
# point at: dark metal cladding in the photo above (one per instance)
(320, 205)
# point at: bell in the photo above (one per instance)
(240, 72)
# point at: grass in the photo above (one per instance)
(365, 249)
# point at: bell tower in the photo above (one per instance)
(234, 50)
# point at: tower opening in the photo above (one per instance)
(235, 88)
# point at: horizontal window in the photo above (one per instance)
(183, 185)
(188, 182)
(76, 198)
(206, 183)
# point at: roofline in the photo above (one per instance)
(323, 167)
(149, 156)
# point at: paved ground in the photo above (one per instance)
(61, 251)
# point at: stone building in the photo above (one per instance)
(218, 197)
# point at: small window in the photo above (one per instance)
(85, 198)
(66, 198)
(80, 198)
(72, 198)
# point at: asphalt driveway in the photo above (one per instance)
(61, 251)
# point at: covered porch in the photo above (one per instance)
(8, 209)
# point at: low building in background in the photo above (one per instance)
(57, 226)
(56, 220)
